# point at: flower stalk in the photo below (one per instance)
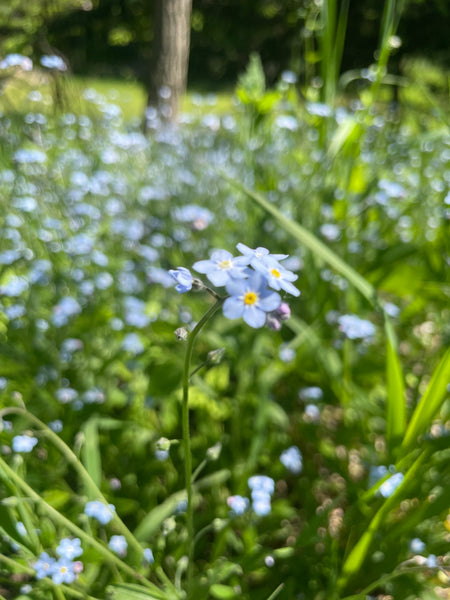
(187, 441)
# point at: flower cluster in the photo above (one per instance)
(64, 569)
(262, 488)
(251, 280)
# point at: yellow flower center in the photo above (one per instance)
(225, 264)
(63, 569)
(275, 272)
(250, 298)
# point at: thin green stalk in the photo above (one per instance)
(72, 459)
(52, 512)
(187, 440)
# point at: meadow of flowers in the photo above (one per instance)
(299, 449)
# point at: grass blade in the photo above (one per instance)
(357, 556)
(429, 404)
(395, 399)
(90, 451)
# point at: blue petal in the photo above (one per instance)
(203, 266)
(254, 317)
(236, 287)
(220, 255)
(218, 278)
(288, 287)
(233, 308)
(270, 301)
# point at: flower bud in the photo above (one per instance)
(283, 312)
(272, 322)
(215, 356)
(213, 453)
(198, 285)
(163, 444)
(181, 334)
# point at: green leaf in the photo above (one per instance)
(429, 404)
(90, 451)
(153, 520)
(395, 400)
(128, 591)
(222, 592)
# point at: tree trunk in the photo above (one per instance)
(172, 28)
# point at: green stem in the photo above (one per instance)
(187, 440)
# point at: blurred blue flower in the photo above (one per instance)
(416, 546)
(238, 504)
(14, 287)
(148, 556)
(69, 548)
(261, 483)
(63, 571)
(23, 443)
(222, 267)
(102, 512)
(183, 278)
(388, 487)
(132, 343)
(118, 544)
(355, 328)
(292, 459)
(51, 61)
(198, 216)
(16, 60)
(44, 565)
(29, 156)
(251, 300)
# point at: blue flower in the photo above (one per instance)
(292, 459)
(278, 278)
(23, 443)
(118, 544)
(222, 267)
(261, 483)
(262, 488)
(44, 565)
(355, 328)
(148, 556)
(388, 487)
(102, 512)
(69, 548)
(251, 300)
(63, 571)
(238, 504)
(53, 62)
(417, 546)
(257, 254)
(132, 343)
(183, 278)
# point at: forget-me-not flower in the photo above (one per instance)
(183, 278)
(63, 571)
(238, 504)
(251, 300)
(44, 565)
(222, 267)
(118, 544)
(278, 278)
(292, 459)
(355, 328)
(69, 548)
(102, 512)
(23, 443)
(257, 254)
